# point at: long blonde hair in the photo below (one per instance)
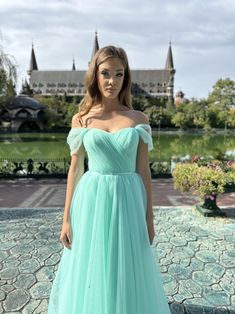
(93, 95)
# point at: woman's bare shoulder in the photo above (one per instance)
(75, 123)
(140, 117)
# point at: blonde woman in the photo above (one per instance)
(107, 265)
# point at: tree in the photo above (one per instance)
(180, 120)
(8, 77)
(221, 100)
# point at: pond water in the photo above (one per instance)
(53, 145)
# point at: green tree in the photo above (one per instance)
(221, 100)
(180, 120)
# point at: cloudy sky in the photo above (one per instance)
(202, 33)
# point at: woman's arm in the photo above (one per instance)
(75, 172)
(143, 169)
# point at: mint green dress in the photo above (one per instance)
(110, 268)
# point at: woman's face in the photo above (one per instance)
(110, 76)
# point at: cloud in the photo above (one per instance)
(202, 35)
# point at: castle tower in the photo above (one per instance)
(170, 67)
(95, 47)
(73, 66)
(33, 63)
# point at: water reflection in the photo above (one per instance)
(47, 145)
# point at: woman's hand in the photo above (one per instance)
(65, 235)
(151, 230)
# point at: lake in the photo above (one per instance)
(166, 145)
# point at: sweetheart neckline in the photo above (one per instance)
(126, 128)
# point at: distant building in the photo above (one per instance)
(180, 99)
(145, 82)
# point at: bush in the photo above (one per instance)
(202, 178)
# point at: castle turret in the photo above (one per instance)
(33, 63)
(169, 59)
(73, 67)
(170, 67)
(95, 47)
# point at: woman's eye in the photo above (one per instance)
(120, 74)
(105, 73)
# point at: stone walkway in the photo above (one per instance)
(196, 255)
(26, 193)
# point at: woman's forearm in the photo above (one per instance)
(147, 179)
(69, 192)
(73, 178)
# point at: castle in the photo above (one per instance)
(145, 82)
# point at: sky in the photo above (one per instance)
(202, 34)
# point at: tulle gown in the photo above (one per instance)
(110, 268)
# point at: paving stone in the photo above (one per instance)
(178, 241)
(31, 306)
(207, 256)
(11, 261)
(171, 287)
(3, 255)
(179, 271)
(42, 308)
(15, 300)
(191, 286)
(29, 266)
(227, 262)
(7, 288)
(199, 231)
(216, 286)
(22, 248)
(182, 294)
(39, 242)
(229, 254)
(24, 256)
(217, 298)
(203, 278)
(183, 252)
(2, 295)
(45, 274)
(165, 246)
(25, 281)
(9, 273)
(53, 259)
(227, 287)
(215, 270)
(165, 261)
(7, 245)
(185, 262)
(41, 290)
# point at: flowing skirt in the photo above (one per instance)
(111, 268)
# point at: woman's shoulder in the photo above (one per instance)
(76, 122)
(140, 117)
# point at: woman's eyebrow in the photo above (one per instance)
(118, 70)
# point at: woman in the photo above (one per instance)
(107, 265)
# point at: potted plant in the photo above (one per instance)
(205, 178)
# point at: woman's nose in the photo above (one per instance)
(111, 80)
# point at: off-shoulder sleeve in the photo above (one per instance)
(75, 139)
(145, 133)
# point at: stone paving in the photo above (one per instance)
(30, 193)
(196, 255)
